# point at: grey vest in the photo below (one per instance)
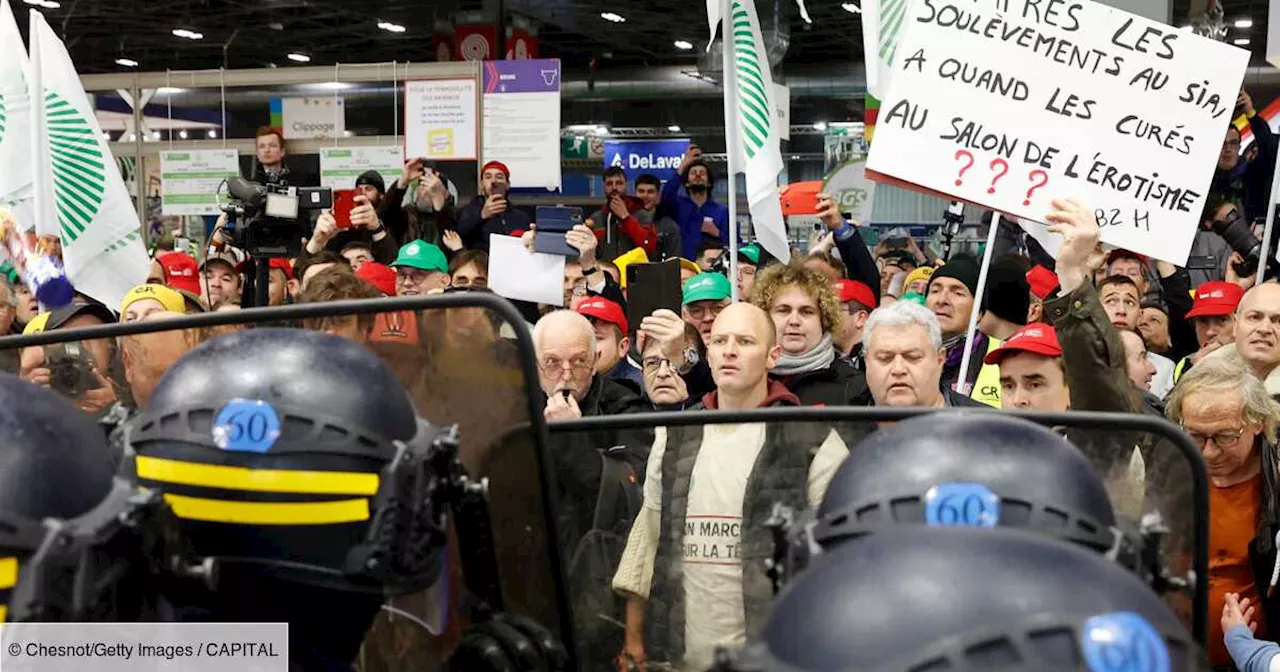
(780, 474)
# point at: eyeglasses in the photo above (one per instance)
(698, 312)
(554, 366)
(1225, 439)
(653, 365)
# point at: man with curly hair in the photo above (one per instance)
(806, 312)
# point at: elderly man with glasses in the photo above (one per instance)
(1227, 413)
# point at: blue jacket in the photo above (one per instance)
(688, 216)
(1249, 654)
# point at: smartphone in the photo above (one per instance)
(650, 287)
(553, 222)
(343, 201)
(801, 198)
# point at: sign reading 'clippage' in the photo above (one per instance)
(1011, 103)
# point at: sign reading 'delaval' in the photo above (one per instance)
(660, 158)
(1010, 103)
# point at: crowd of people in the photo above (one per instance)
(842, 323)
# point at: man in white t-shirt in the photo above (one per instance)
(693, 568)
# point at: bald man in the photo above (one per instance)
(566, 346)
(146, 357)
(680, 564)
(741, 349)
(1258, 330)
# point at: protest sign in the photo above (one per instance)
(1011, 103)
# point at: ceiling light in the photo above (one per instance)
(133, 137)
(212, 134)
(182, 134)
(820, 126)
(795, 157)
(1242, 42)
(168, 90)
(602, 130)
(127, 62)
(1244, 23)
(673, 128)
(155, 135)
(610, 16)
(47, 4)
(348, 134)
(851, 8)
(333, 86)
(684, 44)
(391, 27)
(189, 34)
(301, 58)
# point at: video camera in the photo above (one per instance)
(263, 219)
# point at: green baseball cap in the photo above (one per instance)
(423, 256)
(706, 287)
(751, 252)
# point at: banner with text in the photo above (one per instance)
(340, 166)
(522, 120)
(1011, 103)
(659, 158)
(190, 180)
(440, 117)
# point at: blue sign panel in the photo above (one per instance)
(659, 158)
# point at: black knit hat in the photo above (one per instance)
(374, 179)
(1008, 294)
(961, 267)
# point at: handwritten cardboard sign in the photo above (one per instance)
(1011, 103)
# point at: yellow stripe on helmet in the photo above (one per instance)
(256, 480)
(8, 573)
(269, 513)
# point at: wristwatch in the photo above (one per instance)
(691, 360)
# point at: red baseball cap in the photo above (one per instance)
(606, 310)
(1037, 337)
(383, 278)
(499, 166)
(180, 271)
(284, 265)
(1121, 253)
(852, 290)
(1216, 299)
(1042, 280)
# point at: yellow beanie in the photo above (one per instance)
(169, 298)
(922, 273)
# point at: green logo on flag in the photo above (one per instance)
(79, 172)
(892, 13)
(754, 109)
(2, 117)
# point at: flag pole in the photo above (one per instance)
(732, 136)
(962, 381)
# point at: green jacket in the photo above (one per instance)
(1094, 359)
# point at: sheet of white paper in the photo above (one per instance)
(521, 275)
(1051, 242)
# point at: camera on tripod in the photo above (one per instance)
(264, 219)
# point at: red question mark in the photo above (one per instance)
(1035, 185)
(967, 166)
(1004, 169)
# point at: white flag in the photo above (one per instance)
(15, 121)
(77, 182)
(882, 24)
(757, 121)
